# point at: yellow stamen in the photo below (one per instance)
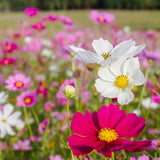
(134, 88)
(6, 62)
(101, 19)
(27, 100)
(106, 55)
(121, 81)
(19, 84)
(4, 120)
(107, 135)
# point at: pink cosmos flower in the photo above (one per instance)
(42, 126)
(65, 20)
(56, 157)
(106, 131)
(101, 18)
(38, 26)
(7, 61)
(8, 47)
(31, 12)
(17, 82)
(27, 99)
(35, 139)
(22, 145)
(49, 105)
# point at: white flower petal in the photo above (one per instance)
(3, 97)
(89, 57)
(134, 50)
(111, 92)
(2, 131)
(130, 65)
(102, 85)
(105, 73)
(76, 49)
(136, 78)
(8, 109)
(9, 130)
(102, 46)
(117, 67)
(122, 48)
(147, 103)
(14, 118)
(125, 96)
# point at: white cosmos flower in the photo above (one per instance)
(118, 79)
(148, 103)
(3, 97)
(106, 53)
(8, 119)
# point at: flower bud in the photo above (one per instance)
(72, 54)
(69, 91)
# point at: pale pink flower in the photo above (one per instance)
(22, 145)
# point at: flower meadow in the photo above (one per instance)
(79, 93)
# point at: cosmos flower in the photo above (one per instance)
(42, 126)
(118, 79)
(106, 131)
(106, 53)
(31, 11)
(8, 119)
(38, 26)
(42, 89)
(17, 82)
(7, 61)
(66, 20)
(101, 18)
(27, 99)
(148, 103)
(49, 105)
(8, 47)
(22, 145)
(56, 157)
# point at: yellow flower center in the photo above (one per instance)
(134, 88)
(101, 19)
(27, 100)
(107, 135)
(6, 62)
(4, 120)
(19, 84)
(106, 55)
(121, 81)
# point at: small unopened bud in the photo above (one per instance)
(69, 91)
(72, 54)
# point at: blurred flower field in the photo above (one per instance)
(78, 92)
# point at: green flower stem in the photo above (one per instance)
(27, 121)
(35, 116)
(68, 119)
(143, 90)
(121, 107)
(73, 65)
(0, 151)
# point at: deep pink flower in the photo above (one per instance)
(49, 105)
(101, 18)
(31, 12)
(27, 99)
(42, 126)
(52, 18)
(42, 89)
(106, 131)
(7, 61)
(38, 26)
(8, 47)
(156, 99)
(17, 82)
(22, 145)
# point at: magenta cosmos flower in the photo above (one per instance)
(27, 99)
(106, 131)
(7, 61)
(17, 82)
(31, 11)
(22, 145)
